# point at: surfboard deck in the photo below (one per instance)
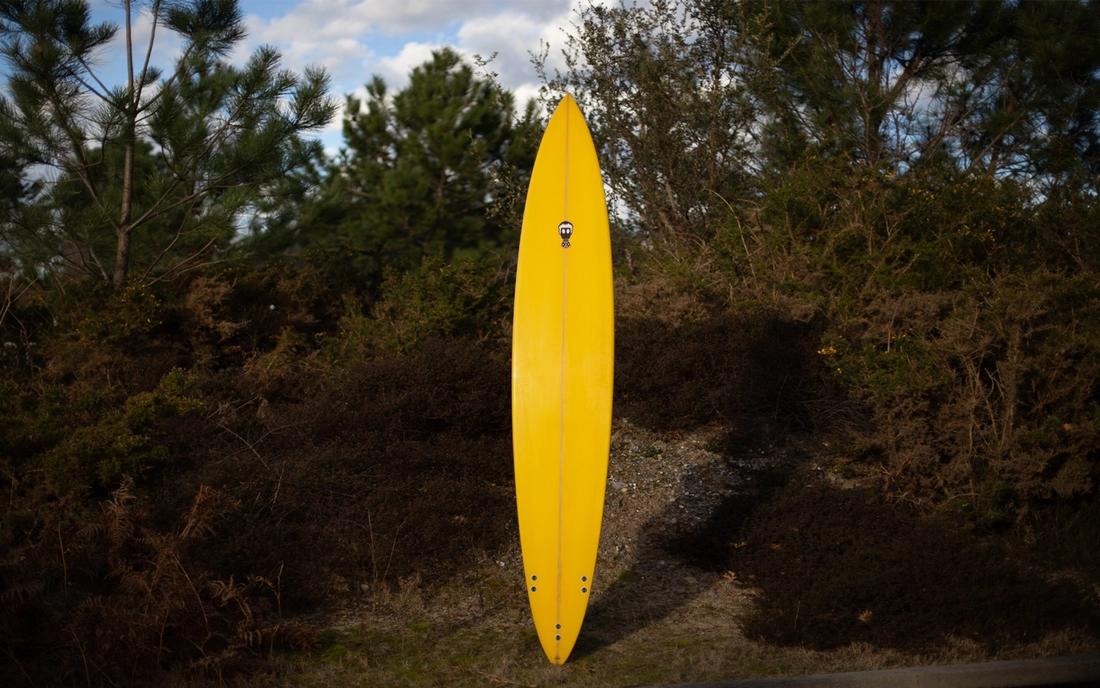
(562, 370)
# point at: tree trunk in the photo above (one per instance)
(124, 228)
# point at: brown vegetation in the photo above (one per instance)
(857, 363)
(253, 463)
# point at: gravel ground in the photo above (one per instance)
(659, 484)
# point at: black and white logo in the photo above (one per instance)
(565, 230)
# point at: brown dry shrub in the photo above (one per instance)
(399, 465)
(120, 601)
(743, 369)
(987, 396)
(287, 372)
(655, 296)
(100, 338)
(206, 322)
(307, 297)
(837, 566)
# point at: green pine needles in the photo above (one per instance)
(151, 177)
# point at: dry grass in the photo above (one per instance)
(479, 634)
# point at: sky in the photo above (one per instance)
(356, 39)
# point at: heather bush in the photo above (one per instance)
(962, 332)
(398, 465)
(745, 369)
(183, 463)
(833, 566)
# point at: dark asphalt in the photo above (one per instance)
(1061, 672)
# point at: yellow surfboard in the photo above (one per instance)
(562, 359)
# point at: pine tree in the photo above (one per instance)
(159, 170)
(1008, 89)
(1033, 94)
(421, 171)
(863, 79)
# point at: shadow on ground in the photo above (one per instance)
(833, 564)
(642, 596)
(751, 371)
(662, 579)
(837, 566)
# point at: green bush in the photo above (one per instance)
(470, 297)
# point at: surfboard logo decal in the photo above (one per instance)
(565, 231)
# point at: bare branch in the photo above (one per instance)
(102, 96)
(148, 55)
(12, 296)
(171, 244)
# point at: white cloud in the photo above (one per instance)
(342, 34)
(333, 19)
(395, 70)
(512, 37)
(339, 56)
(356, 39)
(515, 35)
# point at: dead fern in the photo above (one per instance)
(140, 606)
(119, 512)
